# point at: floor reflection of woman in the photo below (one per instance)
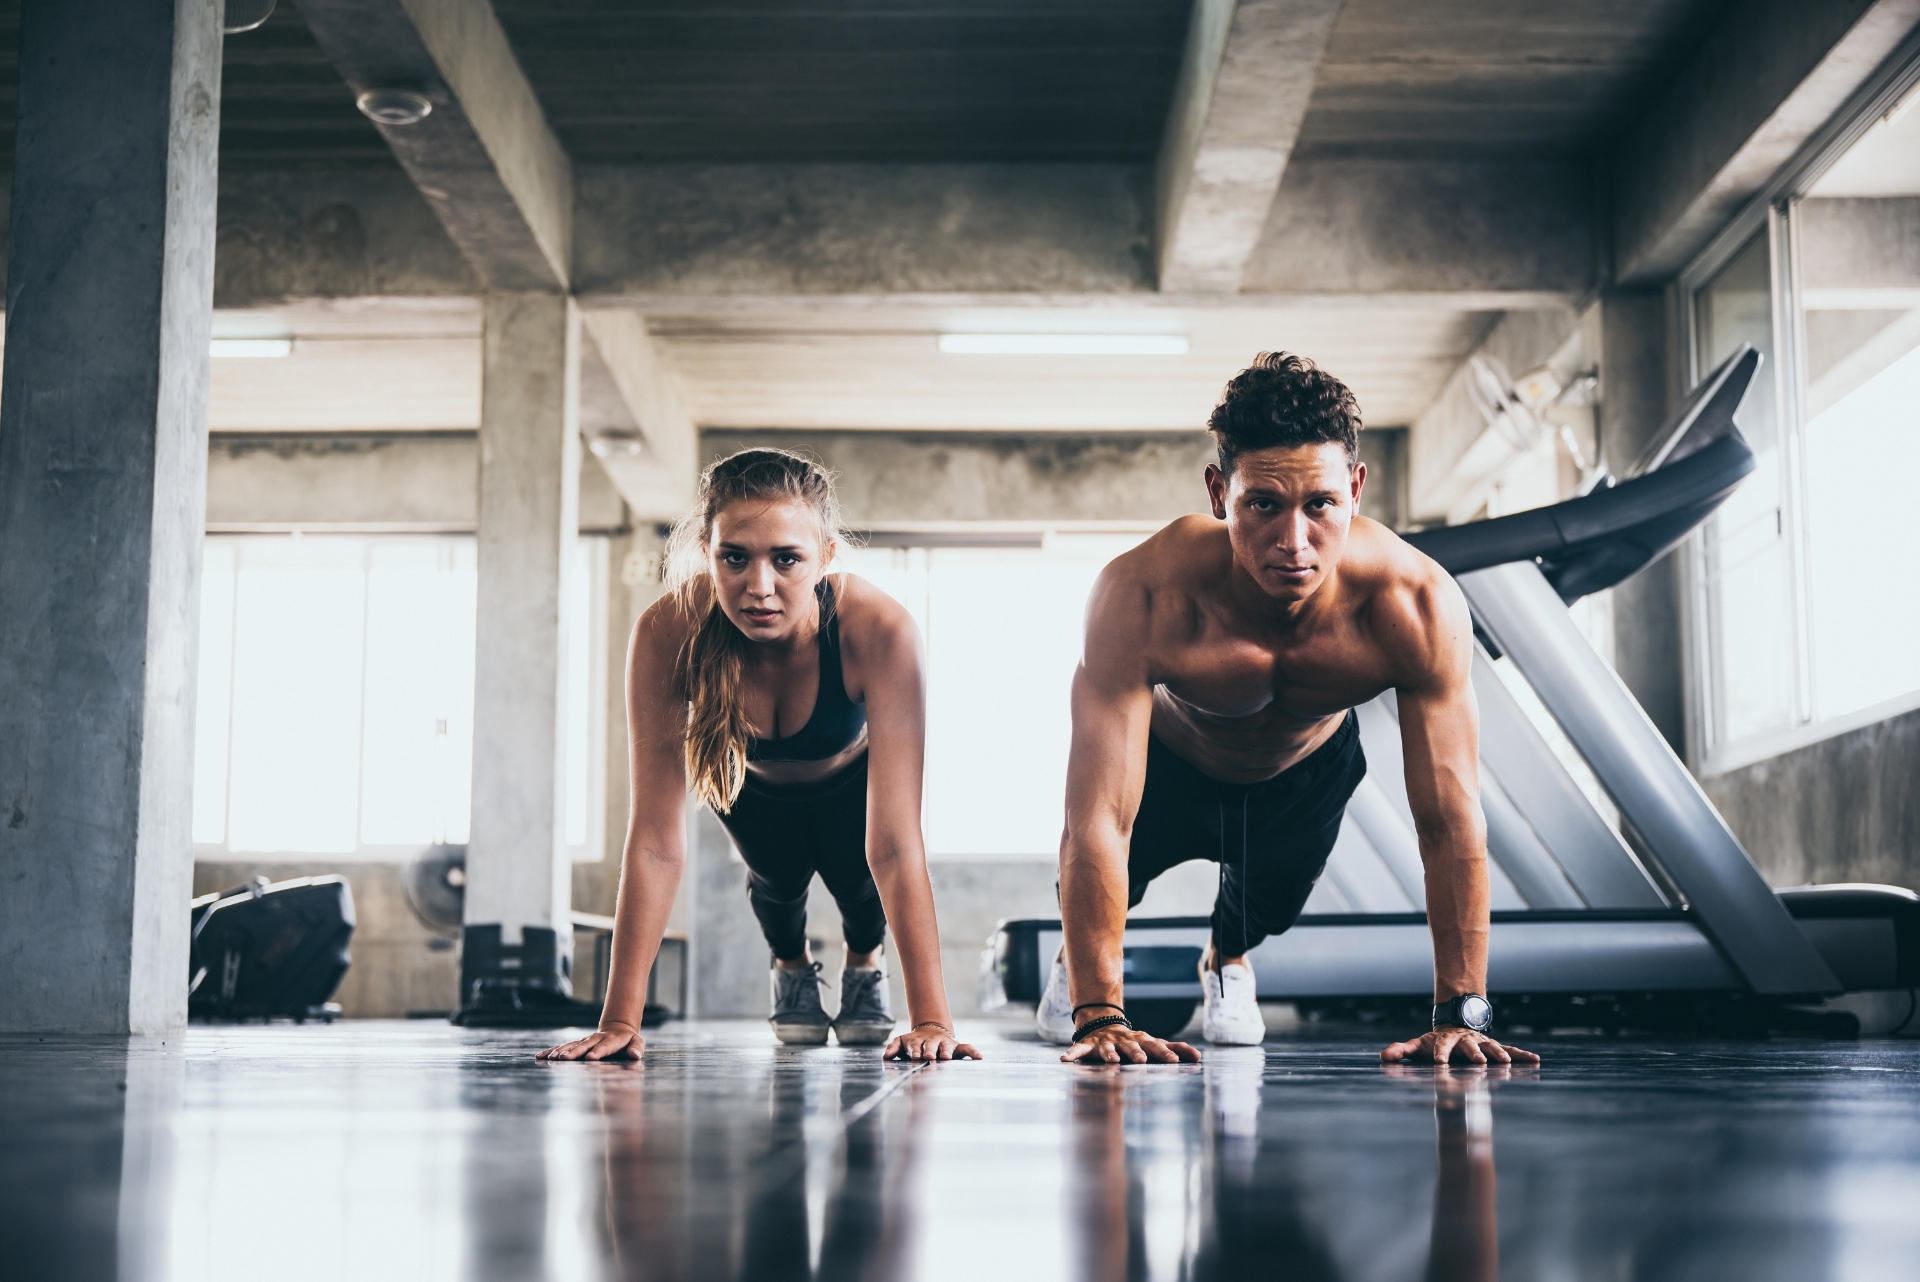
(791, 701)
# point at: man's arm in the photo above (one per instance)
(1440, 737)
(1106, 769)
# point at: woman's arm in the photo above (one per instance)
(655, 851)
(883, 670)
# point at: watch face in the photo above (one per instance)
(1476, 1012)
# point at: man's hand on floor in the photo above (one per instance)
(1121, 1045)
(1456, 1046)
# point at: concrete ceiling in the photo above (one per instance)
(807, 369)
(1442, 173)
(1494, 77)
(414, 365)
(622, 80)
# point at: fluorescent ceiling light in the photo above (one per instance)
(252, 347)
(1064, 344)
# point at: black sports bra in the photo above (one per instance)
(836, 721)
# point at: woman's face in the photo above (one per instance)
(765, 556)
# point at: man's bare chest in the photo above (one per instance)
(1228, 680)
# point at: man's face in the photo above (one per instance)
(1287, 511)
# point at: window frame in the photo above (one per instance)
(599, 604)
(1774, 211)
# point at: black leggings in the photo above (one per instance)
(1271, 839)
(788, 832)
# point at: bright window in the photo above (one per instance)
(1807, 632)
(1003, 629)
(336, 695)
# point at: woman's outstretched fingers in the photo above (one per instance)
(926, 1046)
(604, 1044)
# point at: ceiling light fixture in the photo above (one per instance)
(394, 106)
(255, 348)
(1064, 344)
(615, 444)
(244, 15)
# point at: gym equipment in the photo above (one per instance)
(1620, 896)
(270, 950)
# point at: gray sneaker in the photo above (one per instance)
(798, 1018)
(864, 1019)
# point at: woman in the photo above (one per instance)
(791, 702)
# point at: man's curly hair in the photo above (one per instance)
(1284, 400)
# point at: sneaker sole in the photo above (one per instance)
(801, 1034)
(1224, 1037)
(863, 1034)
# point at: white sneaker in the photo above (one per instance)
(1232, 1010)
(1055, 1013)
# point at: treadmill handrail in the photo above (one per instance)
(1697, 483)
(1654, 790)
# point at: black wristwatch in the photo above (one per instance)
(1469, 1010)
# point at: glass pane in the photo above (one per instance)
(1860, 288)
(1748, 569)
(412, 621)
(299, 612)
(214, 694)
(1005, 636)
(455, 628)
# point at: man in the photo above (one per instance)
(1212, 720)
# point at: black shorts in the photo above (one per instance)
(1271, 839)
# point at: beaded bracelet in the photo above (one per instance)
(1095, 1025)
(1088, 1005)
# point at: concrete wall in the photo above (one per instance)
(1846, 809)
(332, 233)
(886, 479)
(862, 229)
(420, 481)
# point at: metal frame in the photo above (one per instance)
(1653, 789)
(1774, 209)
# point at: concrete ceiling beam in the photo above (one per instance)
(1336, 226)
(1767, 79)
(1245, 80)
(658, 481)
(484, 158)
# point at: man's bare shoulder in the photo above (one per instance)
(1179, 557)
(1414, 609)
(1148, 592)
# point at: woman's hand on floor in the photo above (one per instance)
(927, 1042)
(616, 1042)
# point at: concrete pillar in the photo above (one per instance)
(103, 448)
(517, 868)
(1634, 402)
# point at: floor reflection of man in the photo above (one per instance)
(1465, 1245)
(1103, 1202)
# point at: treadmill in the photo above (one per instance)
(1620, 897)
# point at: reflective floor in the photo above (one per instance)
(372, 1151)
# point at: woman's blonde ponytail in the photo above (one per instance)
(711, 671)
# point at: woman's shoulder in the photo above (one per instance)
(868, 615)
(671, 619)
